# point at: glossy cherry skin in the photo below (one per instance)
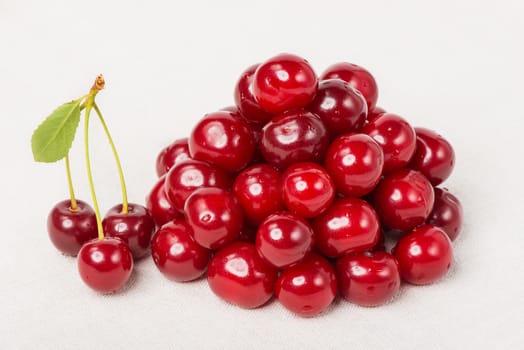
(396, 137)
(356, 76)
(375, 113)
(187, 176)
(292, 137)
(434, 157)
(284, 239)
(447, 213)
(245, 100)
(174, 153)
(222, 139)
(69, 230)
(341, 108)
(307, 288)
(176, 254)
(349, 225)
(239, 276)
(215, 217)
(258, 190)
(368, 279)
(424, 255)
(135, 228)
(159, 206)
(355, 163)
(307, 189)
(105, 265)
(284, 82)
(404, 199)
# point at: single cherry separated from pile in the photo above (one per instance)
(105, 248)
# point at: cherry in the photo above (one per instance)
(355, 163)
(239, 276)
(424, 255)
(174, 153)
(215, 217)
(69, 229)
(357, 77)
(176, 254)
(259, 192)
(349, 225)
(341, 107)
(434, 157)
(283, 239)
(187, 176)
(284, 82)
(308, 189)
(134, 227)
(159, 206)
(245, 100)
(447, 213)
(105, 265)
(368, 279)
(308, 287)
(404, 199)
(294, 136)
(223, 139)
(375, 113)
(396, 137)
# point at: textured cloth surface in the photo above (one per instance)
(455, 67)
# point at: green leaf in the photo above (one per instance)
(52, 139)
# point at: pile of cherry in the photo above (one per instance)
(292, 192)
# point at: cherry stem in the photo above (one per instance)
(117, 160)
(74, 204)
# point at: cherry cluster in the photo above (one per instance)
(293, 192)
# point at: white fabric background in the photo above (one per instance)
(454, 66)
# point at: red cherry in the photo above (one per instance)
(283, 239)
(239, 276)
(245, 100)
(159, 206)
(259, 192)
(284, 82)
(105, 265)
(349, 225)
(134, 227)
(308, 287)
(356, 76)
(404, 199)
(447, 213)
(68, 229)
(294, 136)
(308, 189)
(341, 108)
(176, 254)
(434, 157)
(368, 279)
(215, 217)
(375, 113)
(355, 163)
(396, 137)
(186, 177)
(222, 139)
(424, 255)
(176, 152)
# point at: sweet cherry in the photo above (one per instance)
(105, 265)
(424, 255)
(69, 229)
(174, 153)
(368, 279)
(375, 113)
(176, 254)
(308, 287)
(215, 217)
(245, 100)
(447, 213)
(159, 206)
(284, 82)
(134, 227)
(283, 239)
(239, 276)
